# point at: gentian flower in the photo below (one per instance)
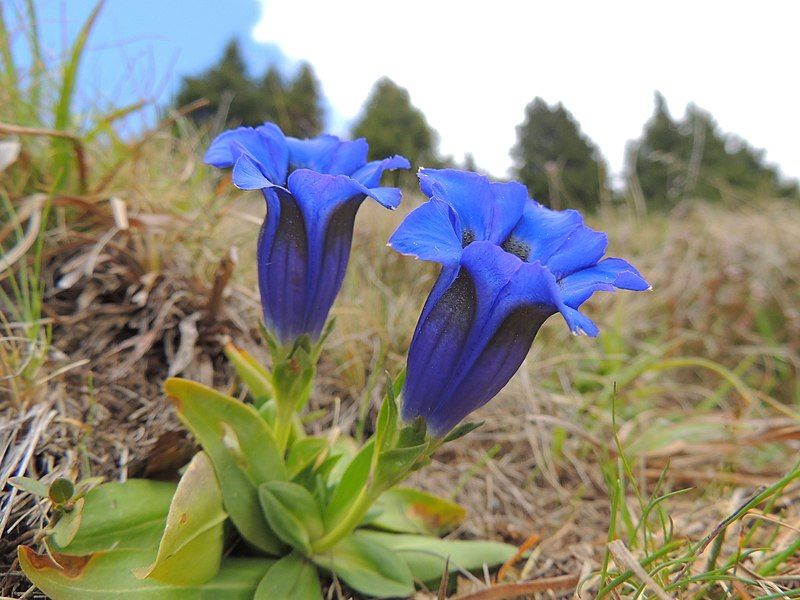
(313, 189)
(508, 263)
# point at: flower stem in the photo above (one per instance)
(283, 427)
(348, 523)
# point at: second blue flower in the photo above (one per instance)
(313, 189)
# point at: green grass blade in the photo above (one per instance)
(62, 148)
(37, 69)
(10, 80)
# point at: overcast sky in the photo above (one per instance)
(470, 66)
(473, 66)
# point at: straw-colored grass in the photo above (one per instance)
(659, 460)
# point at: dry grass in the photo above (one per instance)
(701, 376)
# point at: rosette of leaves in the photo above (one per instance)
(247, 520)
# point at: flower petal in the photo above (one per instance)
(265, 144)
(542, 231)
(320, 191)
(329, 204)
(504, 323)
(282, 259)
(348, 157)
(370, 174)
(428, 233)
(581, 249)
(314, 154)
(607, 275)
(488, 211)
(438, 344)
(388, 197)
(247, 175)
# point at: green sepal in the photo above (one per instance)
(292, 380)
(394, 464)
(368, 566)
(292, 512)
(241, 447)
(413, 434)
(291, 578)
(462, 430)
(386, 424)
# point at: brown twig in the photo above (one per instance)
(221, 278)
(77, 143)
(529, 543)
(506, 591)
(441, 594)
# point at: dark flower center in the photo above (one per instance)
(517, 247)
(467, 237)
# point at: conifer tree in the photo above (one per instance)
(225, 85)
(294, 105)
(560, 165)
(303, 104)
(692, 158)
(395, 126)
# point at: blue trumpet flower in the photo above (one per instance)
(508, 263)
(313, 189)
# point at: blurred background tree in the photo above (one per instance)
(392, 125)
(303, 104)
(295, 105)
(691, 157)
(560, 165)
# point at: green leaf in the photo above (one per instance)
(406, 510)
(353, 482)
(84, 485)
(368, 566)
(110, 575)
(257, 379)
(302, 453)
(291, 578)
(292, 512)
(32, 486)
(63, 112)
(268, 410)
(241, 447)
(344, 449)
(68, 524)
(427, 556)
(124, 516)
(61, 491)
(191, 547)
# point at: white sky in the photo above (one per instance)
(473, 66)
